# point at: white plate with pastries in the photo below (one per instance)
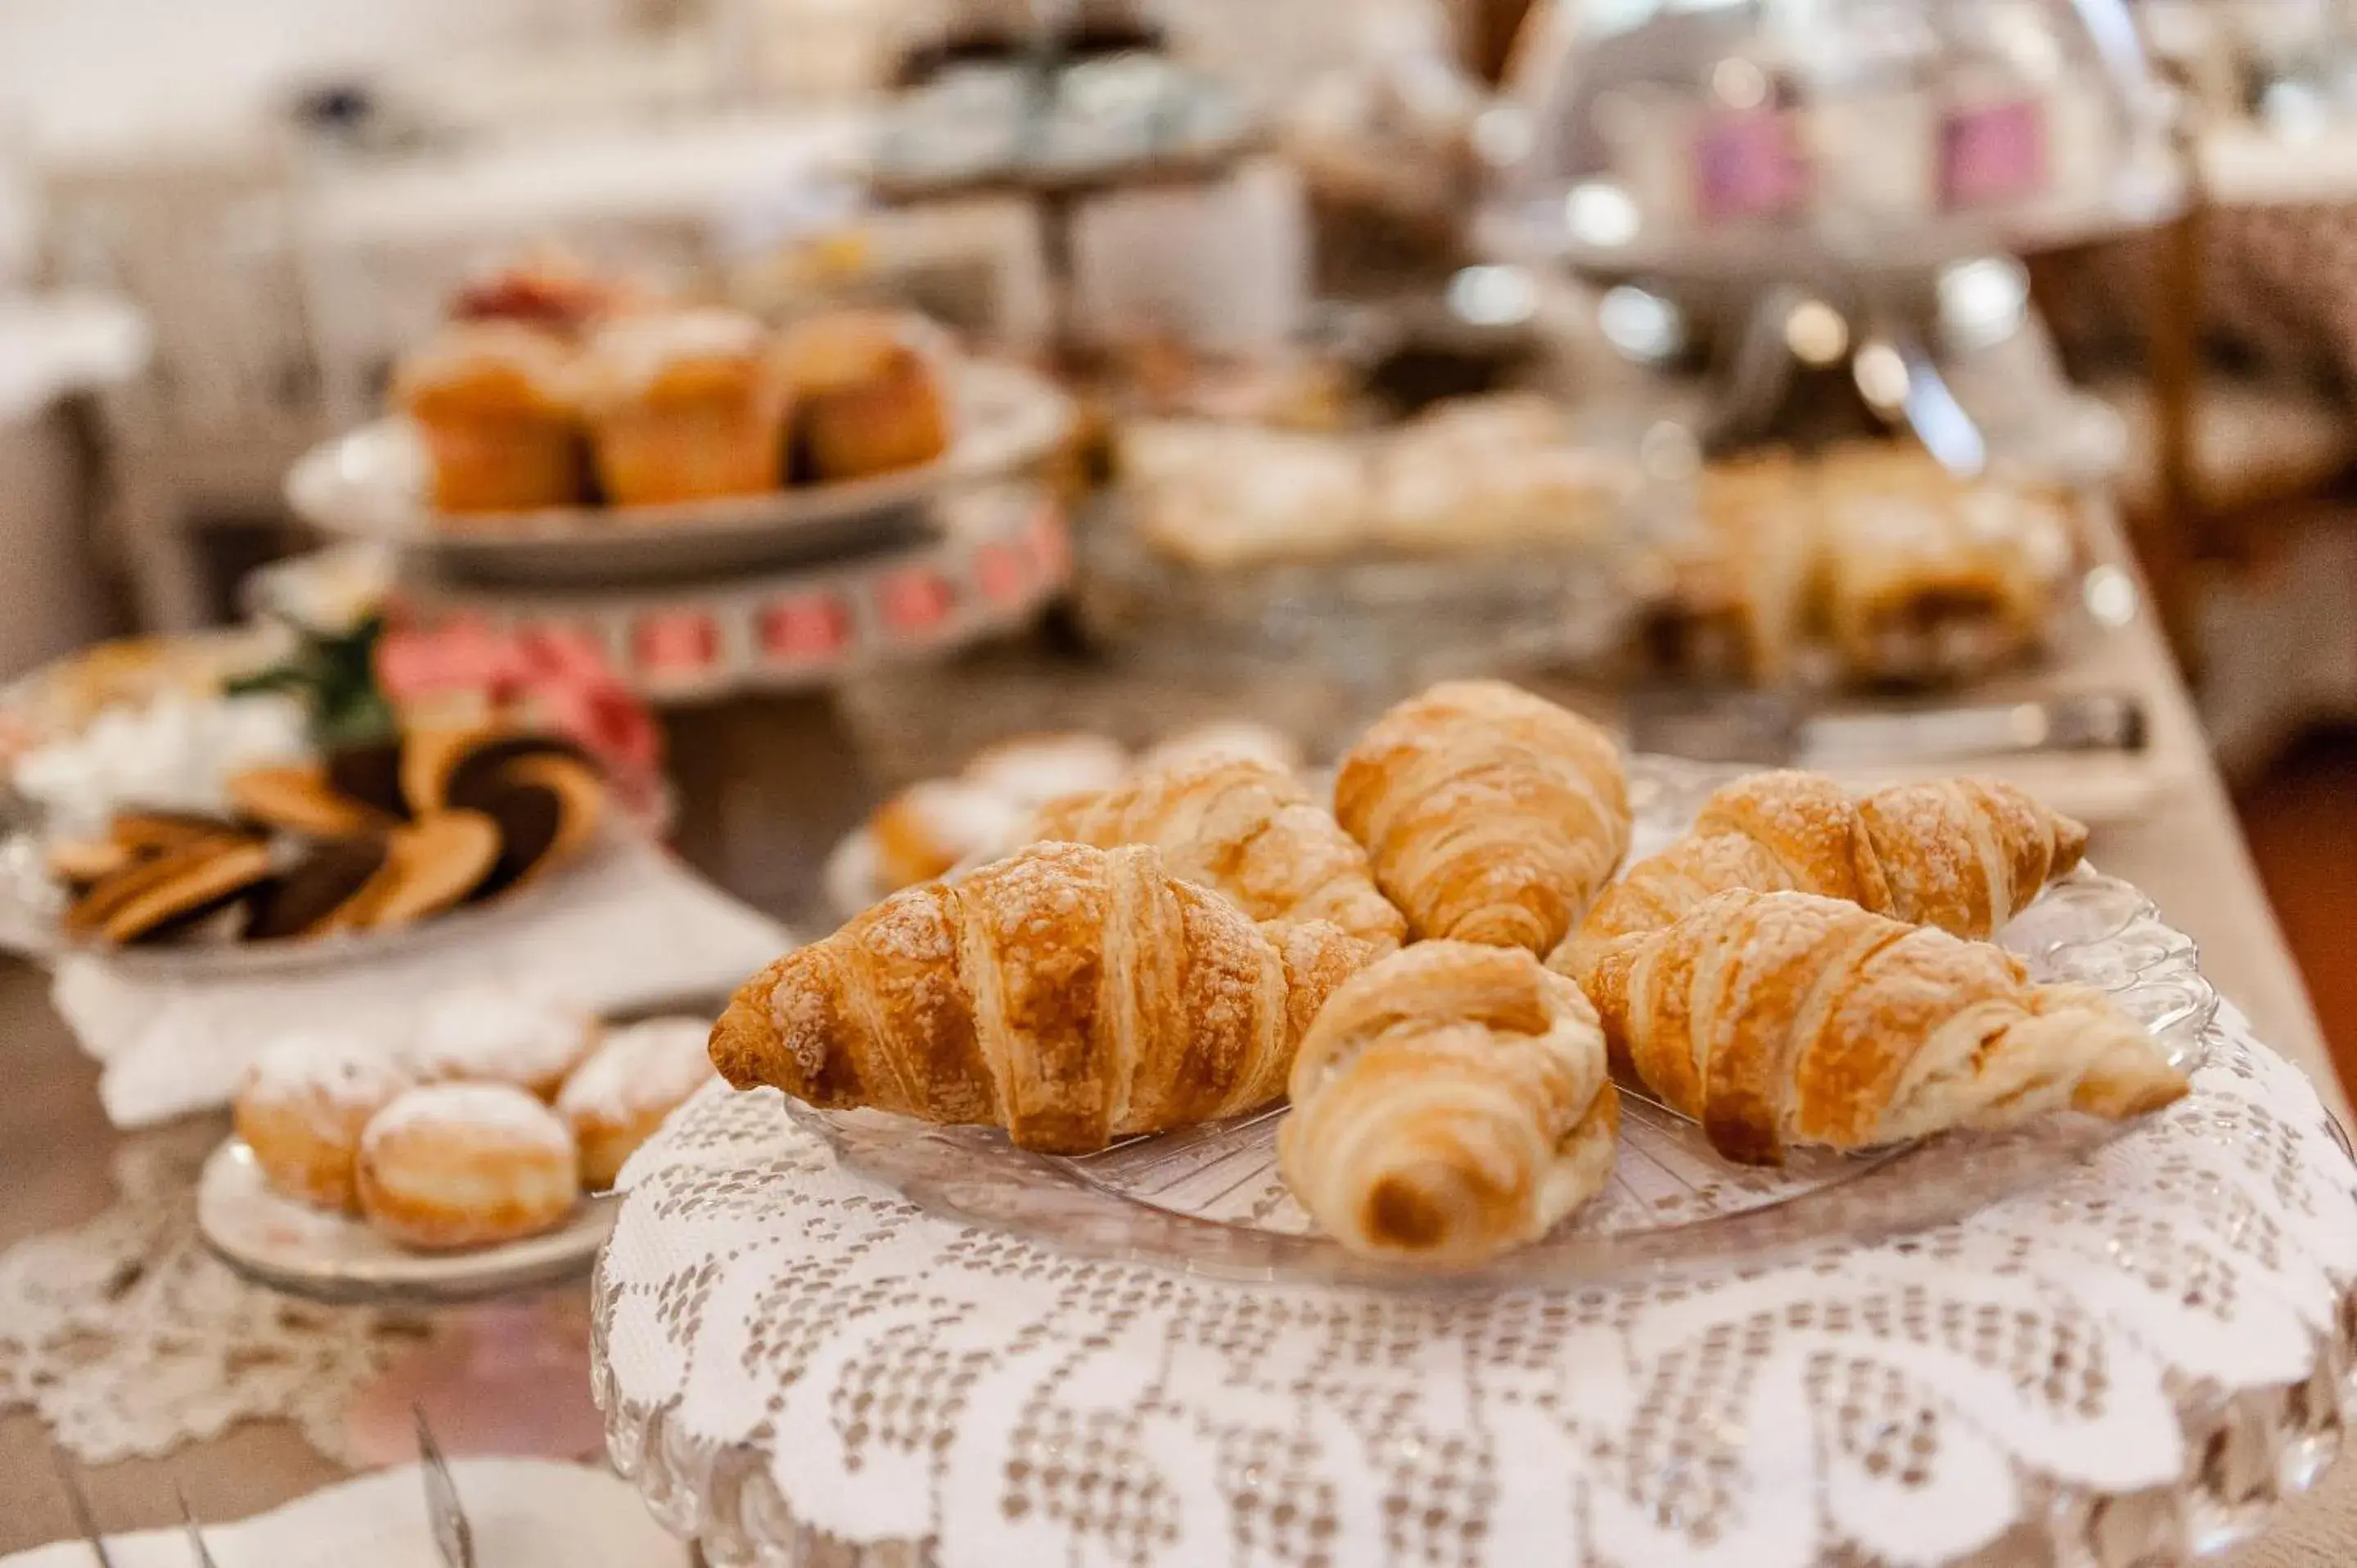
(1827, 1022)
(326, 1256)
(474, 1157)
(370, 484)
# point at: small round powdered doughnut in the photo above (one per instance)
(640, 1074)
(466, 1165)
(302, 1106)
(494, 1035)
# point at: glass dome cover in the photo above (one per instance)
(1745, 136)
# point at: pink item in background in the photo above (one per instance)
(553, 676)
(1992, 152)
(1749, 165)
(810, 625)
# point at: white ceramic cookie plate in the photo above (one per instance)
(311, 1252)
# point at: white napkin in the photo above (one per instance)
(525, 1513)
(632, 929)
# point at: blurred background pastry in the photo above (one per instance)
(451, 1165)
(683, 405)
(497, 404)
(933, 826)
(1033, 769)
(303, 1107)
(638, 1076)
(866, 398)
(490, 1034)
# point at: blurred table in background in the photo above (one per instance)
(54, 348)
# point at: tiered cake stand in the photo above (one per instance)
(778, 592)
(1840, 195)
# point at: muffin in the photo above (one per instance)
(640, 1074)
(491, 1034)
(866, 399)
(465, 1164)
(302, 1106)
(502, 429)
(683, 405)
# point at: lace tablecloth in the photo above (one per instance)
(129, 1339)
(633, 929)
(2125, 1367)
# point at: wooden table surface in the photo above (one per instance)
(767, 785)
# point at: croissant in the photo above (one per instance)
(1245, 828)
(1490, 815)
(1449, 1104)
(1783, 1018)
(1072, 995)
(1964, 854)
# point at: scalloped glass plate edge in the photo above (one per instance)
(2088, 929)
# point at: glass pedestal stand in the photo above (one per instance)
(1955, 355)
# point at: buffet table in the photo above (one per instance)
(766, 788)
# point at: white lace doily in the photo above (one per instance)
(634, 929)
(2126, 1367)
(128, 1338)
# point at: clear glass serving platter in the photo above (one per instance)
(1207, 1200)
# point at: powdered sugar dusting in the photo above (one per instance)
(804, 1023)
(496, 1112)
(645, 1066)
(344, 1071)
(496, 1033)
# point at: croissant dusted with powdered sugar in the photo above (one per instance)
(1072, 995)
(1964, 854)
(1244, 828)
(1449, 1103)
(1783, 1018)
(1490, 815)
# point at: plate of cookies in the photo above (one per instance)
(473, 1158)
(324, 859)
(1503, 1006)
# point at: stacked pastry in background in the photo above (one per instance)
(485, 1127)
(366, 839)
(1491, 472)
(1871, 556)
(1196, 939)
(551, 388)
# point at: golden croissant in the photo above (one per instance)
(1072, 995)
(1449, 1104)
(1490, 815)
(1964, 854)
(1244, 828)
(1783, 1018)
